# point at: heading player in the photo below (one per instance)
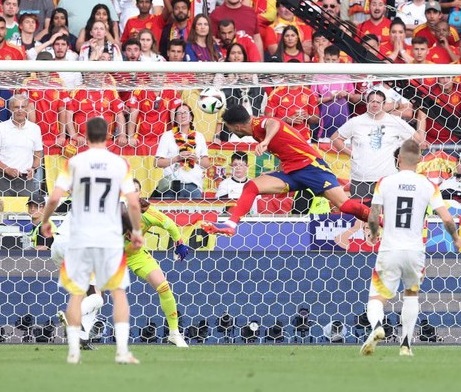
(96, 177)
(403, 198)
(301, 168)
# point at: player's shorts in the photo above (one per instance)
(142, 263)
(317, 176)
(394, 266)
(58, 251)
(108, 265)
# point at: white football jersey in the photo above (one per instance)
(96, 178)
(405, 197)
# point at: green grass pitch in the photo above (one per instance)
(231, 368)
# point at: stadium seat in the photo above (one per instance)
(14, 203)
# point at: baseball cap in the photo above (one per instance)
(433, 5)
(36, 198)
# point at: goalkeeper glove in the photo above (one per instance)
(181, 250)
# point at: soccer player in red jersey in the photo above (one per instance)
(301, 167)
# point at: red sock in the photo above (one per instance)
(353, 207)
(245, 201)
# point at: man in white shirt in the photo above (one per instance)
(21, 150)
(374, 136)
(403, 199)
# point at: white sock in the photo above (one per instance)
(410, 311)
(122, 332)
(375, 312)
(73, 340)
(90, 309)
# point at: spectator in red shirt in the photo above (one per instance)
(378, 24)
(290, 48)
(145, 20)
(273, 33)
(396, 49)
(245, 19)
(228, 36)
(97, 97)
(433, 16)
(7, 50)
(295, 105)
(446, 94)
(442, 52)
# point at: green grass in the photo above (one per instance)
(236, 368)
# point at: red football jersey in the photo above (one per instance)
(288, 145)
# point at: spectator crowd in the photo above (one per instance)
(166, 125)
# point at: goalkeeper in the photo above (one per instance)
(146, 267)
(301, 168)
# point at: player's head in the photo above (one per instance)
(137, 185)
(237, 119)
(409, 154)
(236, 114)
(35, 205)
(96, 130)
(239, 164)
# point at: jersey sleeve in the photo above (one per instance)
(153, 217)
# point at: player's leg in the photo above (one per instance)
(112, 274)
(74, 276)
(261, 185)
(73, 317)
(147, 268)
(410, 311)
(413, 267)
(384, 284)
(338, 198)
(91, 305)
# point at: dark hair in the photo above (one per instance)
(240, 156)
(419, 41)
(236, 114)
(96, 130)
(174, 2)
(210, 43)
(131, 41)
(136, 181)
(177, 42)
(91, 20)
(245, 55)
(376, 92)
(332, 50)
(397, 21)
(63, 37)
(2, 19)
(281, 46)
(225, 23)
(370, 37)
(58, 10)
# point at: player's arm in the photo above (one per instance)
(50, 206)
(373, 222)
(154, 217)
(339, 144)
(134, 212)
(449, 224)
(271, 127)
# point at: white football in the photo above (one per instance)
(211, 100)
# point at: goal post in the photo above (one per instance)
(290, 274)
